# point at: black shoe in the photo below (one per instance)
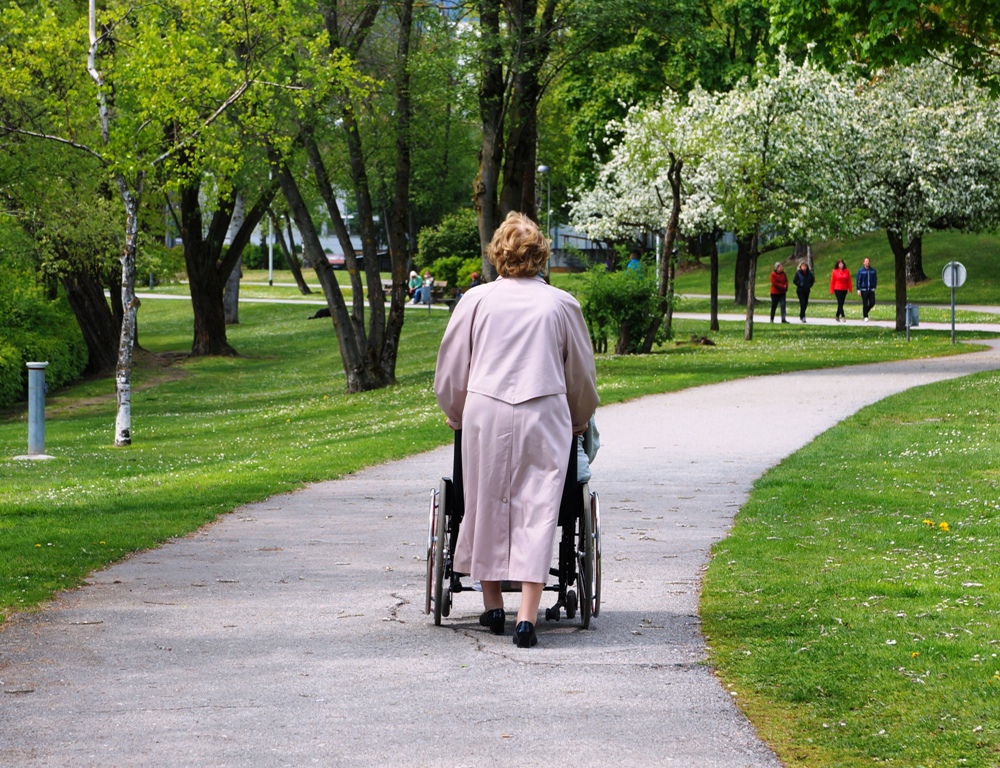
(494, 620)
(524, 635)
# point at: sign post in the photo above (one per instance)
(953, 276)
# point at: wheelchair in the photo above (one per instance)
(578, 567)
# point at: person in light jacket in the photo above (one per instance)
(804, 280)
(840, 286)
(515, 372)
(866, 282)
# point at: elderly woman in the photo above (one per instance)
(515, 373)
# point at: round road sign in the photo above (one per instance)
(953, 274)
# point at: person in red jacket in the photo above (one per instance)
(779, 287)
(840, 285)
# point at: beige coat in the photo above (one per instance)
(516, 374)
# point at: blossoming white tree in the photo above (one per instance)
(925, 155)
(640, 188)
(774, 172)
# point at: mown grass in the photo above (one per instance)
(854, 609)
(210, 434)
(828, 309)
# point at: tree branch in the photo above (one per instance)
(59, 139)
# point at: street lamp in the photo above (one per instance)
(545, 171)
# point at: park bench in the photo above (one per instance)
(438, 290)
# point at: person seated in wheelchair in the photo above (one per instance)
(515, 372)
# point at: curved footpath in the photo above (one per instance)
(291, 632)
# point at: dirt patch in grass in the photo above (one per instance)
(151, 368)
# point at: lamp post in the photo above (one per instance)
(545, 171)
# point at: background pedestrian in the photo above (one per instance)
(840, 286)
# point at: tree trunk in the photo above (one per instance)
(711, 244)
(398, 217)
(209, 264)
(288, 251)
(356, 371)
(915, 262)
(508, 108)
(741, 276)
(101, 332)
(207, 292)
(668, 260)
(130, 304)
(231, 295)
(800, 252)
(491, 111)
(340, 228)
(899, 252)
(751, 280)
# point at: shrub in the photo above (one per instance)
(455, 270)
(37, 330)
(164, 263)
(11, 380)
(456, 236)
(619, 304)
(255, 257)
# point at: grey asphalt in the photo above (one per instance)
(291, 632)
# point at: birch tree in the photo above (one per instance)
(159, 77)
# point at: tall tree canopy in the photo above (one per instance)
(881, 32)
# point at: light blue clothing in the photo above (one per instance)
(634, 265)
(587, 446)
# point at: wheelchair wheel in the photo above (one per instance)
(438, 595)
(585, 556)
(431, 538)
(442, 594)
(595, 516)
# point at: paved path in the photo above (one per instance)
(291, 632)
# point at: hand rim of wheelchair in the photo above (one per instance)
(431, 526)
(585, 558)
(437, 539)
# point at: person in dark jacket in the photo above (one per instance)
(779, 287)
(866, 282)
(804, 279)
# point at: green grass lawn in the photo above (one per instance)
(855, 607)
(210, 434)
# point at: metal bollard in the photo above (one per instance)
(912, 318)
(36, 409)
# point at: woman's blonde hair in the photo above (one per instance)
(518, 248)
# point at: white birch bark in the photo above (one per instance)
(123, 371)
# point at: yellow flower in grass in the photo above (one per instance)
(943, 526)
(929, 523)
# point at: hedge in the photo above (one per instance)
(39, 331)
